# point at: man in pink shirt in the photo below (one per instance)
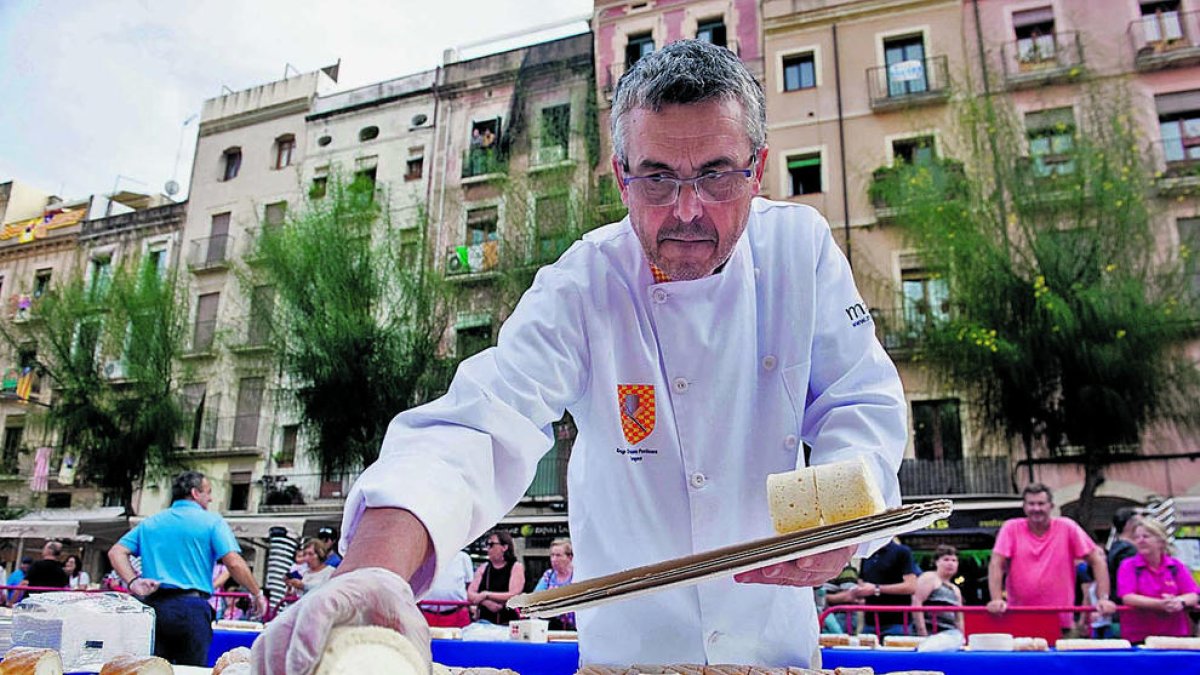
(1038, 553)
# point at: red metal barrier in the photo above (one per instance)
(1037, 621)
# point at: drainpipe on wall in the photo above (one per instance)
(837, 78)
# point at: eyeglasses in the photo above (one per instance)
(494, 543)
(714, 188)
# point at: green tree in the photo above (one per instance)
(1068, 313)
(109, 347)
(357, 320)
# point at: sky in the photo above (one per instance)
(98, 94)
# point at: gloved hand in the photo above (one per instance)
(293, 643)
(810, 571)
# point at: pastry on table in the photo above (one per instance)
(229, 658)
(31, 661)
(128, 664)
(1083, 644)
(1166, 642)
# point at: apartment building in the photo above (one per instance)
(246, 175)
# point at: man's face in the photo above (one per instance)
(203, 494)
(1037, 507)
(689, 239)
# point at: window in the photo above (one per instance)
(913, 151)
(410, 247)
(155, 262)
(58, 500)
(194, 404)
(218, 239)
(639, 45)
(27, 362)
(239, 490)
(473, 339)
(368, 134)
(905, 61)
(1160, 22)
(937, 430)
(414, 168)
(41, 282)
(1189, 236)
(99, 274)
(274, 214)
(1051, 142)
(1179, 126)
(324, 141)
(552, 218)
(87, 343)
(555, 133)
(262, 307)
(804, 174)
(1034, 29)
(482, 157)
(232, 163)
(712, 31)
(206, 322)
(364, 181)
(287, 447)
(481, 225)
(249, 409)
(284, 145)
(926, 299)
(799, 72)
(12, 449)
(319, 185)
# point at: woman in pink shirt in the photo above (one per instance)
(1156, 586)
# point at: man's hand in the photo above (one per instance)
(1172, 604)
(864, 590)
(141, 586)
(997, 606)
(1106, 607)
(810, 571)
(260, 604)
(293, 643)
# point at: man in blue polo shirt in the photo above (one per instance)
(178, 548)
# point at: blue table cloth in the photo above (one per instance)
(555, 658)
(1119, 662)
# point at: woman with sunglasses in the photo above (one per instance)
(497, 580)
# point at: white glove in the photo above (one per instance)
(293, 643)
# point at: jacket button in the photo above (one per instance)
(660, 296)
(698, 480)
(768, 362)
(791, 441)
(680, 384)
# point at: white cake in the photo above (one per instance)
(87, 629)
(991, 642)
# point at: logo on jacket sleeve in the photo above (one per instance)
(635, 404)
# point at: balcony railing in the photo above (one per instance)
(909, 83)
(202, 338)
(481, 162)
(237, 434)
(1044, 59)
(550, 481)
(549, 155)
(292, 492)
(966, 476)
(254, 332)
(1165, 40)
(1179, 156)
(472, 258)
(209, 253)
(946, 178)
(902, 331)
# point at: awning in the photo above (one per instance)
(39, 529)
(252, 527)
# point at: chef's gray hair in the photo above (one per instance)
(184, 483)
(686, 72)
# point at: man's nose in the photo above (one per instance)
(688, 206)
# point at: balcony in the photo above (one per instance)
(1041, 60)
(304, 492)
(248, 246)
(1178, 165)
(550, 481)
(966, 476)
(201, 342)
(903, 331)
(1165, 40)
(894, 186)
(909, 83)
(209, 254)
(481, 165)
(253, 333)
(472, 260)
(550, 157)
(243, 435)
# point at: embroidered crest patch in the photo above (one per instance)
(635, 404)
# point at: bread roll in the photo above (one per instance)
(31, 661)
(1081, 644)
(128, 664)
(823, 495)
(239, 668)
(1165, 642)
(366, 650)
(1030, 644)
(909, 641)
(235, 655)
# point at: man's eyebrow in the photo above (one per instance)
(654, 165)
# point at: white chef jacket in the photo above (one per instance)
(774, 350)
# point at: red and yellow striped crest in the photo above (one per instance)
(635, 405)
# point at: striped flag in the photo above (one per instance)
(41, 470)
(25, 384)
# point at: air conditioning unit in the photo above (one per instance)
(455, 263)
(114, 370)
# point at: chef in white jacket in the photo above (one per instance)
(698, 344)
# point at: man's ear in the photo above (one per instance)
(619, 176)
(760, 167)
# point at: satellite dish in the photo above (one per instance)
(171, 188)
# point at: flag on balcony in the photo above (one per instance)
(25, 384)
(41, 470)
